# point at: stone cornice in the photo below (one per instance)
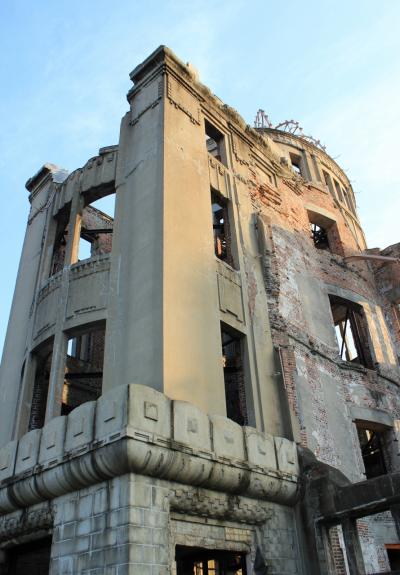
(137, 429)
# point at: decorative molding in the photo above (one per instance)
(90, 266)
(183, 100)
(22, 523)
(206, 503)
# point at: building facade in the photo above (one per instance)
(208, 381)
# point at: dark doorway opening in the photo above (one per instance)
(393, 552)
(199, 561)
(31, 558)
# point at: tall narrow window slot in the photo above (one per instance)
(60, 242)
(215, 143)
(339, 192)
(351, 331)
(84, 369)
(296, 162)
(221, 231)
(234, 376)
(43, 359)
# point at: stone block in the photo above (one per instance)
(149, 411)
(191, 426)
(80, 427)
(112, 413)
(260, 448)
(52, 441)
(286, 452)
(28, 451)
(8, 455)
(227, 438)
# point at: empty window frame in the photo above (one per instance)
(43, 358)
(215, 142)
(319, 236)
(96, 228)
(198, 561)
(372, 442)
(324, 232)
(221, 228)
(83, 369)
(349, 200)
(339, 191)
(297, 164)
(234, 375)
(351, 331)
(60, 241)
(328, 182)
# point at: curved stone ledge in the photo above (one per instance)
(134, 428)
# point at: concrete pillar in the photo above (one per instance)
(24, 405)
(163, 322)
(19, 327)
(56, 381)
(353, 548)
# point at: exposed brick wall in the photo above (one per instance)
(92, 219)
(321, 389)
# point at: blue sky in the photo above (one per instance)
(331, 65)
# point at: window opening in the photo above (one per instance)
(234, 376)
(328, 182)
(372, 451)
(319, 236)
(339, 191)
(83, 370)
(351, 331)
(348, 200)
(296, 164)
(220, 219)
(44, 357)
(97, 228)
(32, 558)
(215, 142)
(198, 561)
(60, 243)
(85, 247)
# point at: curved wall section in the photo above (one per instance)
(88, 287)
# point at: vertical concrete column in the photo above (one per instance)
(163, 327)
(193, 369)
(353, 548)
(24, 406)
(19, 326)
(134, 333)
(57, 372)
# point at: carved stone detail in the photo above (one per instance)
(183, 100)
(207, 503)
(22, 523)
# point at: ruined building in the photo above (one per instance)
(212, 388)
